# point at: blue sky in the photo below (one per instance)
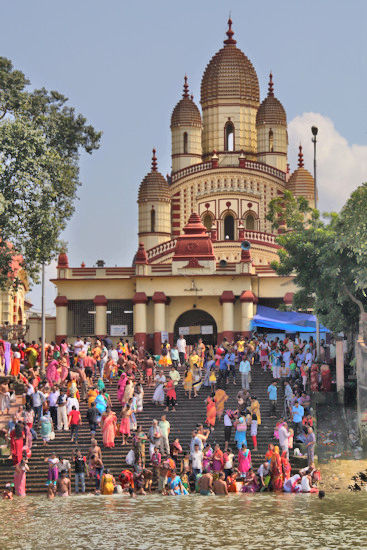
(122, 65)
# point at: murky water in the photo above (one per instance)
(236, 522)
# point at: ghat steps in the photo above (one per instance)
(188, 414)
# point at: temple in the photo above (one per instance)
(204, 244)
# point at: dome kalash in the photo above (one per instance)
(205, 245)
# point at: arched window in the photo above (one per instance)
(229, 136)
(152, 220)
(185, 142)
(229, 227)
(271, 141)
(250, 222)
(208, 221)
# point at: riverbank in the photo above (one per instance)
(337, 475)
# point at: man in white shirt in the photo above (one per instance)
(283, 438)
(197, 460)
(114, 355)
(245, 369)
(181, 346)
(78, 345)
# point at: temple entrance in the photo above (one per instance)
(195, 324)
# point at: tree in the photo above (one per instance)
(41, 138)
(328, 257)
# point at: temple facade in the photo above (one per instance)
(205, 245)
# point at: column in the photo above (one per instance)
(61, 303)
(159, 299)
(140, 318)
(100, 323)
(340, 370)
(227, 300)
(247, 299)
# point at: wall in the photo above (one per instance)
(35, 329)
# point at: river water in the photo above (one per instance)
(154, 522)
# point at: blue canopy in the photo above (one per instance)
(289, 321)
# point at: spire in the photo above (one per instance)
(230, 33)
(271, 86)
(154, 162)
(186, 88)
(300, 157)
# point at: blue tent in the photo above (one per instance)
(289, 321)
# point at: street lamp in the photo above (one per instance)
(314, 131)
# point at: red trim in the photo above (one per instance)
(227, 297)
(140, 298)
(247, 296)
(141, 339)
(100, 300)
(157, 343)
(175, 206)
(61, 301)
(227, 334)
(159, 298)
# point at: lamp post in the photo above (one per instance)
(314, 131)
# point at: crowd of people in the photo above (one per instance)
(85, 372)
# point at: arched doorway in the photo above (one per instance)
(195, 324)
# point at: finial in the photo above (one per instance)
(230, 33)
(154, 162)
(271, 86)
(186, 88)
(300, 157)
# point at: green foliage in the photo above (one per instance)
(328, 258)
(40, 142)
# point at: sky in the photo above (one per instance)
(121, 64)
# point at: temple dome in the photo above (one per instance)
(301, 182)
(230, 75)
(154, 186)
(186, 112)
(271, 111)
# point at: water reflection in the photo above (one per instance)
(154, 522)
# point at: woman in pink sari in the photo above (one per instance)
(52, 374)
(244, 460)
(121, 387)
(20, 478)
(109, 428)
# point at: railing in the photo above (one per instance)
(249, 165)
(163, 248)
(259, 236)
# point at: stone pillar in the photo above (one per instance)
(100, 323)
(247, 299)
(61, 303)
(140, 318)
(340, 370)
(159, 299)
(227, 300)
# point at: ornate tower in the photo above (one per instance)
(154, 208)
(229, 100)
(186, 132)
(301, 183)
(272, 136)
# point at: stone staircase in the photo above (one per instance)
(188, 414)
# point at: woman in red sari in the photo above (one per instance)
(17, 442)
(325, 378)
(211, 412)
(314, 378)
(109, 428)
(276, 472)
(286, 467)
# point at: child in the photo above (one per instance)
(212, 379)
(53, 471)
(290, 439)
(254, 431)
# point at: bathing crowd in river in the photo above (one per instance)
(87, 371)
